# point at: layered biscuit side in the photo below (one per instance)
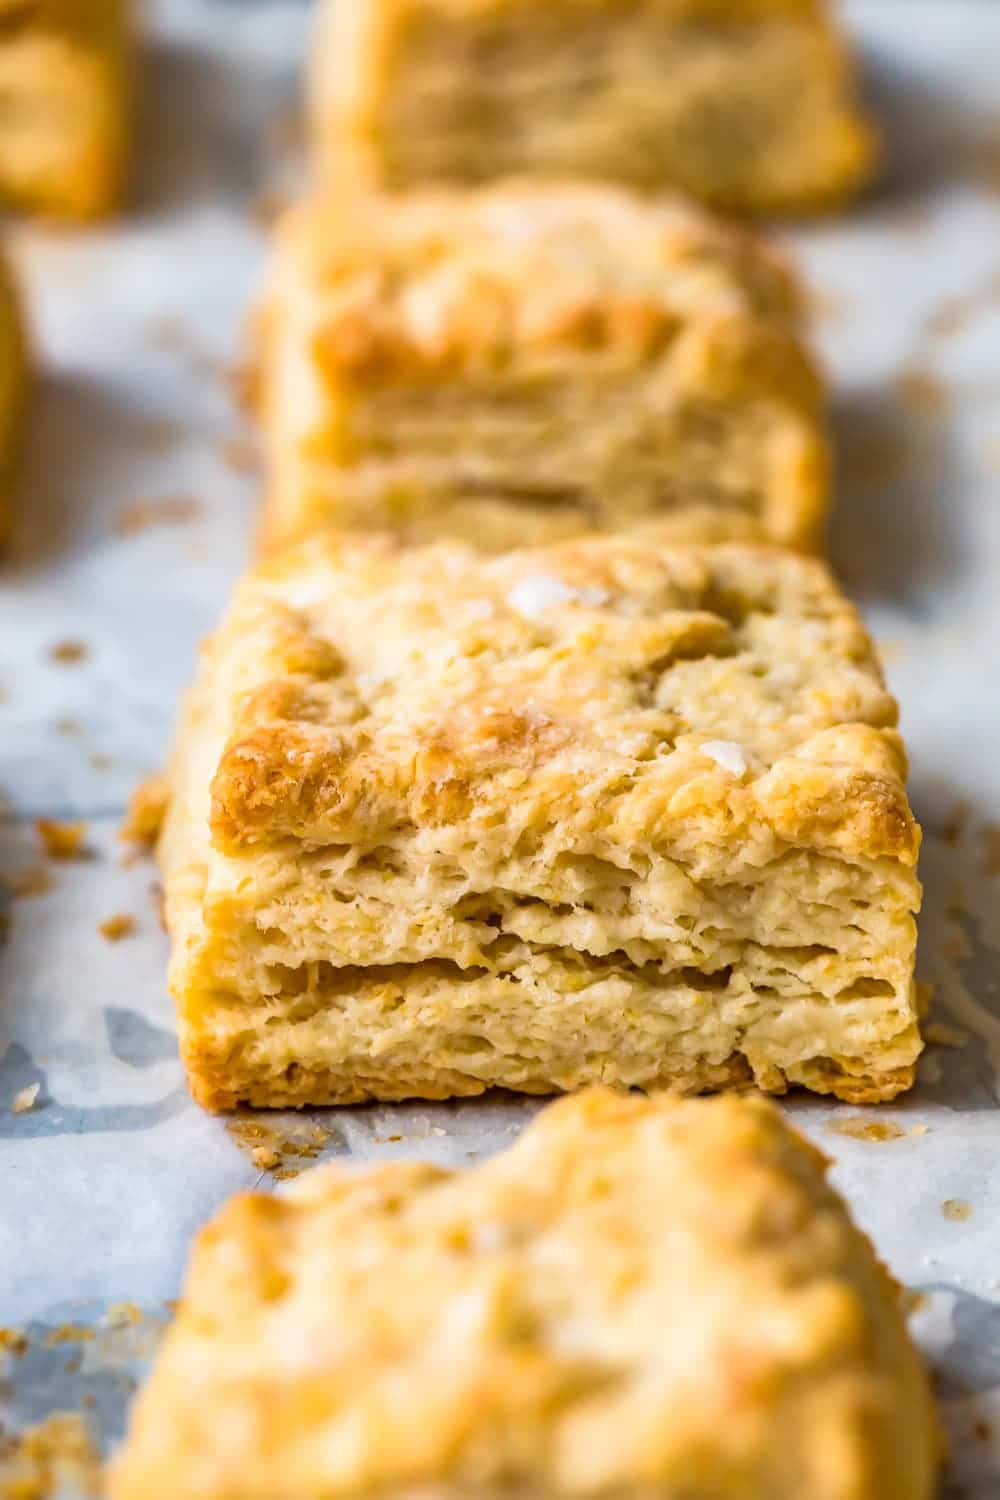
(605, 810)
(530, 362)
(751, 108)
(65, 90)
(640, 1298)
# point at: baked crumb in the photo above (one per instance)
(268, 207)
(957, 1209)
(36, 881)
(170, 510)
(244, 386)
(941, 1034)
(13, 1341)
(53, 1458)
(270, 1150)
(265, 1157)
(954, 314)
(919, 1129)
(949, 317)
(62, 840)
(69, 1333)
(923, 391)
(925, 994)
(25, 1099)
(123, 1314)
(146, 810)
(240, 455)
(953, 827)
(911, 1301)
(860, 1129)
(68, 653)
(121, 925)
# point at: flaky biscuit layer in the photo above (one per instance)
(534, 361)
(610, 810)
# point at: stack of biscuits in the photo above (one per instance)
(541, 751)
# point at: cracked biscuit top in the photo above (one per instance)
(715, 704)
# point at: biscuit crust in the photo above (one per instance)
(608, 810)
(752, 108)
(592, 1312)
(532, 361)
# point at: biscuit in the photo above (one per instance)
(64, 91)
(603, 811)
(751, 107)
(528, 362)
(13, 392)
(639, 1298)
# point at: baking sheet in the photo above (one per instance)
(137, 509)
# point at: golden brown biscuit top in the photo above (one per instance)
(438, 279)
(616, 694)
(641, 1296)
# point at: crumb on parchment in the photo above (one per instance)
(25, 1099)
(68, 653)
(35, 881)
(170, 510)
(146, 810)
(859, 1128)
(272, 1150)
(62, 840)
(69, 1333)
(114, 928)
(943, 1035)
(240, 455)
(922, 390)
(54, 1458)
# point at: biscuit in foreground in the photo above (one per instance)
(607, 810)
(532, 361)
(639, 1298)
(65, 86)
(751, 107)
